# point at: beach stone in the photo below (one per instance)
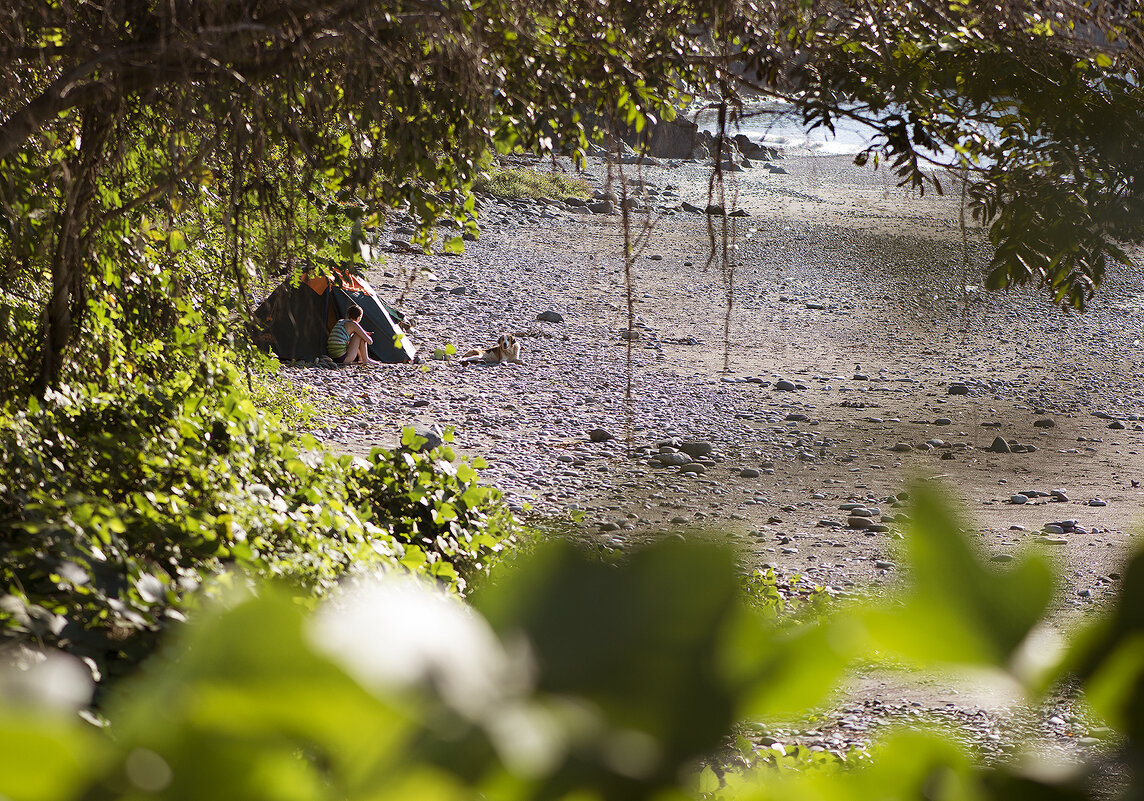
(602, 207)
(1045, 422)
(943, 421)
(674, 459)
(432, 436)
(696, 448)
(679, 519)
(1098, 502)
(1018, 499)
(748, 472)
(958, 389)
(1116, 425)
(600, 435)
(550, 316)
(784, 386)
(694, 468)
(1000, 446)
(1001, 557)
(1059, 495)
(902, 447)
(1052, 528)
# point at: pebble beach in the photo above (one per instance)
(860, 356)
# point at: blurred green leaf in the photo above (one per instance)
(636, 640)
(785, 672)
(45, 756)
(1109, 656)
(956, 608)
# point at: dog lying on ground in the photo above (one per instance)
(507, 349)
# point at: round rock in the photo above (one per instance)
(600, 435)
(696, 448)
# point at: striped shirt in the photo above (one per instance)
(339, 340)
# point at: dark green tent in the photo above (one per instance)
(296, 319)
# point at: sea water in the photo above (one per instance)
(780, 125)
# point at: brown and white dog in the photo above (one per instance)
(507, 349)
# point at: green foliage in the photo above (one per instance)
(289, 405)
(764, 591)
(116, 506)
(568, 678)
(527, 183)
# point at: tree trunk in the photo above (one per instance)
(65, 306)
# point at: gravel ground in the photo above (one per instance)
(861, 357)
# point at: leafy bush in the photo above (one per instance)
(116, 506)
(526, 183)
(567, 678)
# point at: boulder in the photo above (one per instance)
(754, 150)
(674, 139)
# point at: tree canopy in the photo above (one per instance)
(147, 149)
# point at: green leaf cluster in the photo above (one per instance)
(116, 506)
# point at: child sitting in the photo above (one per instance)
(348, 342)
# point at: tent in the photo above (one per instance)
(296, 318)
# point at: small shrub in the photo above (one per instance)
(525, 183)
(116, 506)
